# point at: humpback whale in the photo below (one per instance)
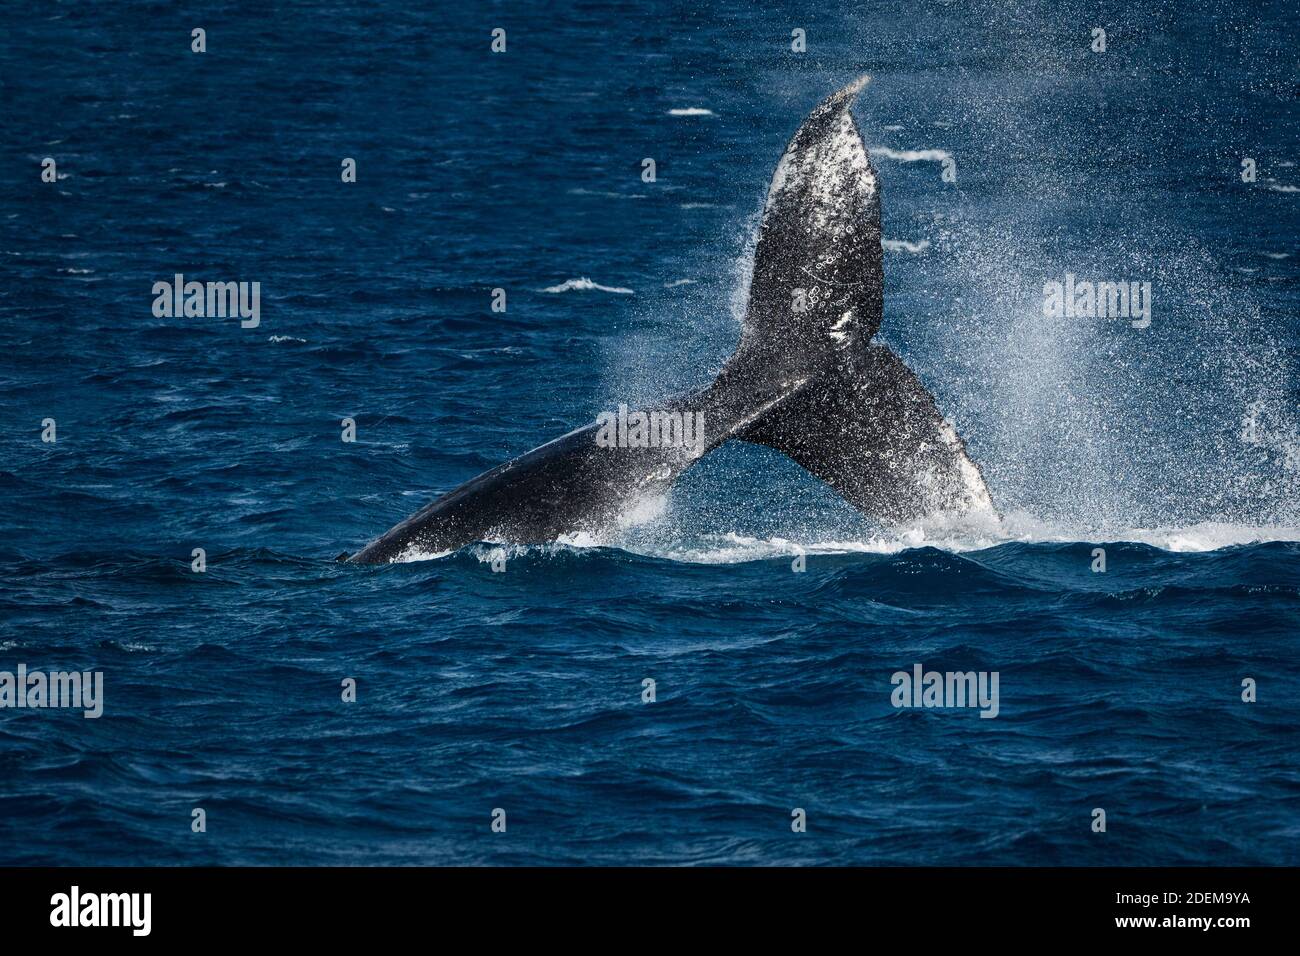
(808, 379)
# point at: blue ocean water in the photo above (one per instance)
(1175, 448)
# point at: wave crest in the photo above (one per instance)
(583, 285)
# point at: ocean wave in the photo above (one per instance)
(584, 284)
(690, 111)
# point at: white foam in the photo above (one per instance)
(414, 552)
(967, 535)
(690, 111)
(584, 284)
(955, 535)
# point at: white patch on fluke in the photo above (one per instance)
(843, 320)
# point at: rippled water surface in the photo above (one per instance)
(1176, 448)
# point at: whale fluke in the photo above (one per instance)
(806, 379)
(818, 279)
(871, 430)
(861, 421)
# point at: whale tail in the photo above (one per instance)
(806, 379)
(855, 415)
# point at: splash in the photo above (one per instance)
(736, 547)
(1184, 435)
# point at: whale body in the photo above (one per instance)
(808, 379)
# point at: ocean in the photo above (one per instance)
(714, 683)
